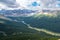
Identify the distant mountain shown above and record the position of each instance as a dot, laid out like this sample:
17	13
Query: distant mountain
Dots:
17	12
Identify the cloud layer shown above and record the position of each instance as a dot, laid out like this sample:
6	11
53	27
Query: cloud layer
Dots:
9	3
28	4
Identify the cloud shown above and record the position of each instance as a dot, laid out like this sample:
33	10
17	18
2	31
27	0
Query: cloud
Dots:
26	4
29	4
9	3
17	4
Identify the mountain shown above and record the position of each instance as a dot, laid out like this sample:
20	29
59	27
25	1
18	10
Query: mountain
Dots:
18	27
11	29
10	26
16	12
46	21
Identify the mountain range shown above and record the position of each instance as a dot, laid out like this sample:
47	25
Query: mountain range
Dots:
50	22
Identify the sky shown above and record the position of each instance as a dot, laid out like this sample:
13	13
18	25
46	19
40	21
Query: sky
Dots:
28	4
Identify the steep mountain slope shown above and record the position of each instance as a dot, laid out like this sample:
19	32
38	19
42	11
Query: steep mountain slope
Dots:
10	27
15	28
50	22
18	30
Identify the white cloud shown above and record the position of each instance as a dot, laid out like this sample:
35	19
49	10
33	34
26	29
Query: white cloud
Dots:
23	4
2	6
28	4
8	4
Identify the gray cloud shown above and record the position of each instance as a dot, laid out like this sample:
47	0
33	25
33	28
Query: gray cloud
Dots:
9	3
50	3
44	4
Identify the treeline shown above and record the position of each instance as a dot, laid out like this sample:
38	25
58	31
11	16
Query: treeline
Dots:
28	37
